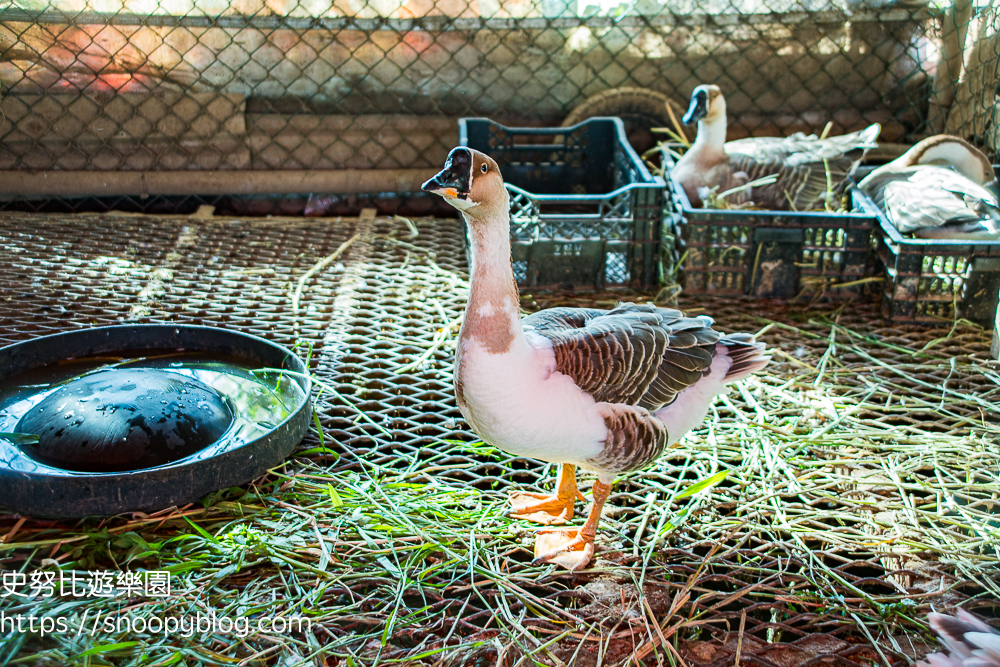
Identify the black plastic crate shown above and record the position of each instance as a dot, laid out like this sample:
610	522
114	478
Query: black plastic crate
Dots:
586	214
773	253
930	280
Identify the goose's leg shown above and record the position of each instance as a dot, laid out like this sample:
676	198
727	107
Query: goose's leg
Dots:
546	508
572	547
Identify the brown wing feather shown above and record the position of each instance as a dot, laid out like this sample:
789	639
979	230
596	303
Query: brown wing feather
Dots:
801	184
635	439
802	164
633	355
969	642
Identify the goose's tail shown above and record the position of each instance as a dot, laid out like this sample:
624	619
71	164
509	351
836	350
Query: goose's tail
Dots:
969	642
856	144
747	355
867	136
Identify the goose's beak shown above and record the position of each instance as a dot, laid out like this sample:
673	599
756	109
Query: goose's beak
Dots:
698	108
454	181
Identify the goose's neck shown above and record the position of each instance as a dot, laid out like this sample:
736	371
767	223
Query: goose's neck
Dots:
711	134
492	316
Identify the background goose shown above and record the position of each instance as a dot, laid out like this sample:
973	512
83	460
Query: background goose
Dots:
968	641
799	162
940	188
603	390
949	151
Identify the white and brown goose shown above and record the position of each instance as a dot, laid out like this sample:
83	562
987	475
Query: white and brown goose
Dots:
806	168
604	390
968	642
939	189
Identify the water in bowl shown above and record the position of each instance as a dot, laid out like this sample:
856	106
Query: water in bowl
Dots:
137	410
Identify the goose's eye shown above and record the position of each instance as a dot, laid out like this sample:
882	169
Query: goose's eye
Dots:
485	168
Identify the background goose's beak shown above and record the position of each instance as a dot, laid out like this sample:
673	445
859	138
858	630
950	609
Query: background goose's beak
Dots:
455	179
698	108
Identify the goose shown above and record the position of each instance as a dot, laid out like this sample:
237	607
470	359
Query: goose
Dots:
938	189
603	390
948	150
969	642
800	163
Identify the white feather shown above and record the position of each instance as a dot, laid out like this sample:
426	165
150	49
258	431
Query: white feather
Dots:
518	402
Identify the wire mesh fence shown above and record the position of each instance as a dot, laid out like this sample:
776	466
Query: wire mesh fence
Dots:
304	84
861	488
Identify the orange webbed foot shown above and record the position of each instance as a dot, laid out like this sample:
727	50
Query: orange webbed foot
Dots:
540	507
572	548
548	509
567	547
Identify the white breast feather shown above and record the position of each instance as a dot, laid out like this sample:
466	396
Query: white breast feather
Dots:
518	402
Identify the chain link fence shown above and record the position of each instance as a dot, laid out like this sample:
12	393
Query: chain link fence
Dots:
153	85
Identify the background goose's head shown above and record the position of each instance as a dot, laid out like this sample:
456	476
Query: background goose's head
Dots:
707	103
948	150
471	182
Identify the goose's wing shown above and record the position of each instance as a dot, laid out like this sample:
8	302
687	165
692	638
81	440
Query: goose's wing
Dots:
806	166
634	354
800	147
934	201
764	149
799	184
969	642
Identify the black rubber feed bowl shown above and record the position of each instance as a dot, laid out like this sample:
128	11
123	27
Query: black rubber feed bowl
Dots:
32	486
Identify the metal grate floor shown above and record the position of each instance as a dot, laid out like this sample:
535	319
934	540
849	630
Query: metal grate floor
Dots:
377	323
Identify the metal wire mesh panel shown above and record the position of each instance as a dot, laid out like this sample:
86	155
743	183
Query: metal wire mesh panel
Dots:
281	84
860	490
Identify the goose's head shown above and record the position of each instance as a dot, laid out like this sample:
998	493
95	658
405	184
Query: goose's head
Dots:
471	182
952	151
707	103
